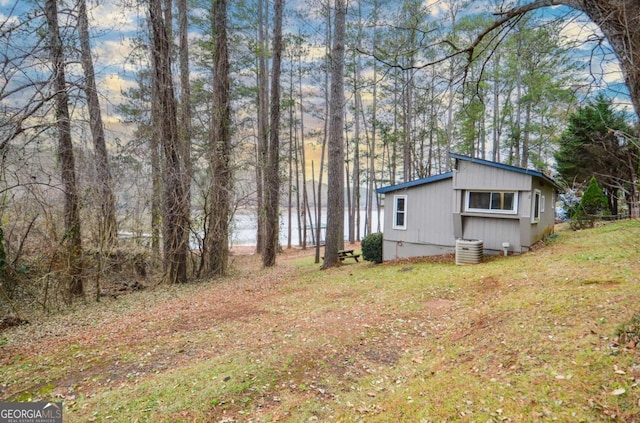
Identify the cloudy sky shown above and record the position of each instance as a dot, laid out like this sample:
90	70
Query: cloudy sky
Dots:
115	23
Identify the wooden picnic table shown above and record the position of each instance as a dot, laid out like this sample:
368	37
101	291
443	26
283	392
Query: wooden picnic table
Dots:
345	254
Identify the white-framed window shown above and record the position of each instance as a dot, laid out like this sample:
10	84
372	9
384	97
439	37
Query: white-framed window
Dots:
400	212
505	202
537	206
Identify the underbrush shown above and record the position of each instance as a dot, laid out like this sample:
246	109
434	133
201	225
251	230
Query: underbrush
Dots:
38	284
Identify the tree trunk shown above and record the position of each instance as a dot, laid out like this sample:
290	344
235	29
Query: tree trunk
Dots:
408	118
356	163
524	158
299	208
325	132
371	141
185	110
291	162
392	154
316	237
108	229
354	216
495	155
354	230
72	237
517	132
372	154
453	14
156	180
175	210
350	209
303	165
272	186
220	144
335	180
263	127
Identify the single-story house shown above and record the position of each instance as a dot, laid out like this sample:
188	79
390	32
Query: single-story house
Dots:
477	200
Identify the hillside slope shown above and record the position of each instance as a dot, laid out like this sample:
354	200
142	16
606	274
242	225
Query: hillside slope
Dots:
519	338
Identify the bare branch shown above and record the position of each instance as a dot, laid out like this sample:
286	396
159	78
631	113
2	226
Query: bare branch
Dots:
505	19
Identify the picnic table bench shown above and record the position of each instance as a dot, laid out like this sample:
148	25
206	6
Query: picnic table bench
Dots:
345	254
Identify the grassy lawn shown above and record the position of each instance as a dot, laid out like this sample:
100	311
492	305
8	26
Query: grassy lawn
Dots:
519	338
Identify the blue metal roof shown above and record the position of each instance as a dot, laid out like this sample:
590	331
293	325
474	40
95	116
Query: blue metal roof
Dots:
415	183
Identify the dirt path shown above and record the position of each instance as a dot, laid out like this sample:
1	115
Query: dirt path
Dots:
103	347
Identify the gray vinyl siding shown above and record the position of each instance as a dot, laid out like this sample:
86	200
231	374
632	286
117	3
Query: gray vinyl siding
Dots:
473	176
493	232
392	250
429	222
545	226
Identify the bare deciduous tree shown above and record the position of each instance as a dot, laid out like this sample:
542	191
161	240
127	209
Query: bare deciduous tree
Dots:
185	97
72	236
108	230
175	211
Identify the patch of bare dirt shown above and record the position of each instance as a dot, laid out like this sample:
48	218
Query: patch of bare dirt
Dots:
440	259
487	285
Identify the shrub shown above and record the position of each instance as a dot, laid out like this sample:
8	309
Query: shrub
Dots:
593	201
593	205
372	247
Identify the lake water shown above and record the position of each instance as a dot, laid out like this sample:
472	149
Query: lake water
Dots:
245	226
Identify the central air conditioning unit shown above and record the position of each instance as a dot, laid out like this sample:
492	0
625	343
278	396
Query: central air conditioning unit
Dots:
468	251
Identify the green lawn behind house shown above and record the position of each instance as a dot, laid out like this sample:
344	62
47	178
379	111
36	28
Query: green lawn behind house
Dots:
518	338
